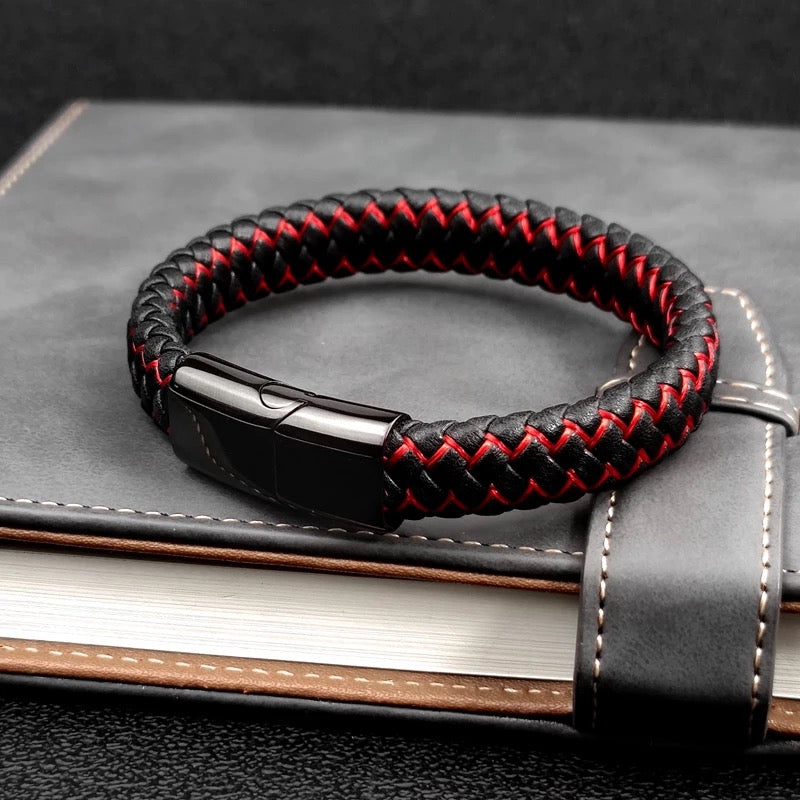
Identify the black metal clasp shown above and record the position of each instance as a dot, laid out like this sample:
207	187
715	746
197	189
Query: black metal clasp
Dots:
311	452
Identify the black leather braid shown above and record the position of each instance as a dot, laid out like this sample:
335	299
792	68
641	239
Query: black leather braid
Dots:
487	464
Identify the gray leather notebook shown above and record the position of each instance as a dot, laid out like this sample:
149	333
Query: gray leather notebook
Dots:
123	566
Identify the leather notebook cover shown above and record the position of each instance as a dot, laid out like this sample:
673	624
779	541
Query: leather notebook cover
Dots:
108	189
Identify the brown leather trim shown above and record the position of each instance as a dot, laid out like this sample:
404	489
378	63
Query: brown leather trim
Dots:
471	693
348	684
272	559
784	716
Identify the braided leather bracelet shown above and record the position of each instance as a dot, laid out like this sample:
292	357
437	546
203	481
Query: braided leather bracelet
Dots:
375	467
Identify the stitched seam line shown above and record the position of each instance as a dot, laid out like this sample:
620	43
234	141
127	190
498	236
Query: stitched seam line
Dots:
763	598
601	592
766	515
291	526
601	611
758	330
280	673
769	360
41	145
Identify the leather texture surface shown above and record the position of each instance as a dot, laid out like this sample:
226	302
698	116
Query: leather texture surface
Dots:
125	182
678	627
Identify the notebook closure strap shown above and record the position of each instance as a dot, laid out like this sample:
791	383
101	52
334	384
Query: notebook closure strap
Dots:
681	585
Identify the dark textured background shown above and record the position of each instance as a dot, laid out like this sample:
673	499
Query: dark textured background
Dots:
712	59
89	752
690	60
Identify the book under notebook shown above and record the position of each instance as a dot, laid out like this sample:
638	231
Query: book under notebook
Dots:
299	616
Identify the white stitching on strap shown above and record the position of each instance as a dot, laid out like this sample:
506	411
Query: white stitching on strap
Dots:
766	518
755	325
766	514
601	605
